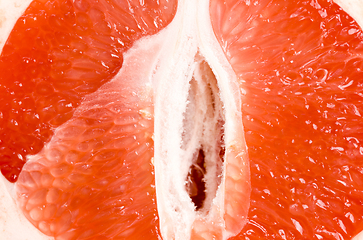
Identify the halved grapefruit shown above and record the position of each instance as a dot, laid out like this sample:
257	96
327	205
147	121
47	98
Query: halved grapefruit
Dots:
185	120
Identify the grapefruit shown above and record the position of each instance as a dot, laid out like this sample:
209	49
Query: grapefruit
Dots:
184	120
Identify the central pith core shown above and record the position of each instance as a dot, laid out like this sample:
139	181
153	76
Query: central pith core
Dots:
200	158
202	137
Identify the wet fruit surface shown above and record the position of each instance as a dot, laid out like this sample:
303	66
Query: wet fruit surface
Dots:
58	52
300	67
94	180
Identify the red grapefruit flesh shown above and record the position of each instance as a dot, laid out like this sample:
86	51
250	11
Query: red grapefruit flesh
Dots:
97	167
58	52
300	66
94	180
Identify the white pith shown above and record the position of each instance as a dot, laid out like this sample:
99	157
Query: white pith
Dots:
174	64
191	35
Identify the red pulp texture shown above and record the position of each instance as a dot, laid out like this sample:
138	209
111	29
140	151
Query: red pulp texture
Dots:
300	66
58	52
94	179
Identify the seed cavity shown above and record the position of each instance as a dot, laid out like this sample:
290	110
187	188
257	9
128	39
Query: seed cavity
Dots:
203	137
195	183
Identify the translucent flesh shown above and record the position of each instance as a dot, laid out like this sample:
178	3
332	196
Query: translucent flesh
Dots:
300	66
301	114
94	180
58	52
